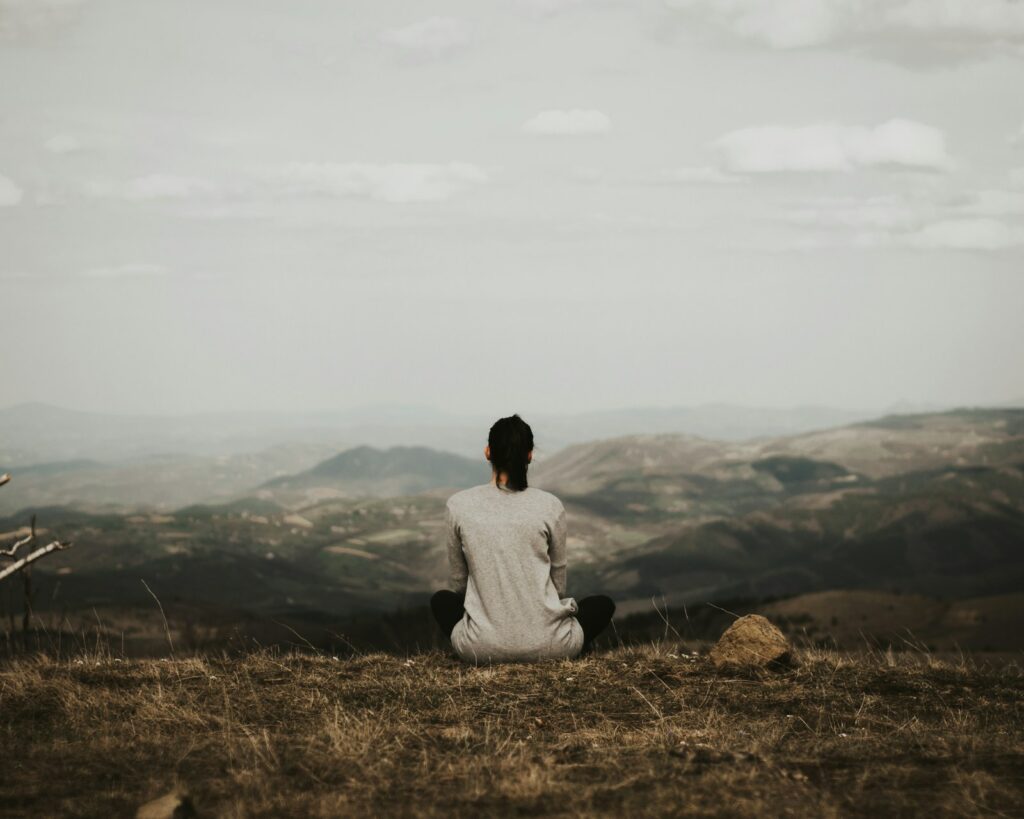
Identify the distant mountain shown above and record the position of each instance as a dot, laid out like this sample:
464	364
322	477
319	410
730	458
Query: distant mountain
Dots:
37	433
716	421
665	470
161	482
927	502
931	504
904	443
949	533
365	471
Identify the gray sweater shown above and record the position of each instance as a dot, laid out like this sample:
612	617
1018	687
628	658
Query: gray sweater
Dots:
506	550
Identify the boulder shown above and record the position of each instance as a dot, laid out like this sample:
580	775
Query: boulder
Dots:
751	641
174	805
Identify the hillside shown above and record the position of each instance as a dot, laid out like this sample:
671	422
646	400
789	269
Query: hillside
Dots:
641	731
672	473
365	471
155	482
929	503
921	505
33	433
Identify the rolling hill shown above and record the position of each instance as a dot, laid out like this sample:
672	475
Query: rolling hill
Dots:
155	481
931	505
365	471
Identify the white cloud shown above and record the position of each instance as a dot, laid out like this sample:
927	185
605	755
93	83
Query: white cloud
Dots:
992	203
551	7
830	146
10	194
888	213
786	24
396	182
124	270
574	122
984	220
701	175
434	36
1017	177
62	144
153	186
967	234
22	18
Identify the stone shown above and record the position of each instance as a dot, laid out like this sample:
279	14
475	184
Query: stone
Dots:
173	805
751	641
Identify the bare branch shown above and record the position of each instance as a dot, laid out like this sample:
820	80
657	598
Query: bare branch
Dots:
5	478
30	538
31	558
17	545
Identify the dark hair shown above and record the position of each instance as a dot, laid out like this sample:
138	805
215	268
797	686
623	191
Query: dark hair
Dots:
510	440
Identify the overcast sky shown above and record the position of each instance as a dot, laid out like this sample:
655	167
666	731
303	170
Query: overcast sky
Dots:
549	205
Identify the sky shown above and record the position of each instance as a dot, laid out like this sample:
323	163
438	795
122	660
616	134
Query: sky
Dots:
550	205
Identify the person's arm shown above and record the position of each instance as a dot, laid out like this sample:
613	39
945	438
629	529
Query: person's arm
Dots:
459	570
557	550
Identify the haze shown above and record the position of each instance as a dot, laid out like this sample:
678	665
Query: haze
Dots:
556	205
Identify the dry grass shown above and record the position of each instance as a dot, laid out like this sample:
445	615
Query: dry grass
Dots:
638	731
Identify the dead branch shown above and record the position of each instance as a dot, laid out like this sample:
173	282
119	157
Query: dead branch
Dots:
42	551
29	538
4	478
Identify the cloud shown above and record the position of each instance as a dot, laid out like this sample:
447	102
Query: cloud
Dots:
991	203
701	175
831	147
551	7
967	234
124	270
261	188
62	144
24	18
10	194
574	122
396	182
985	220
789	24
886	213
153	186
434	36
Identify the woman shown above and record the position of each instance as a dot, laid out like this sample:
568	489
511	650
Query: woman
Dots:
506	552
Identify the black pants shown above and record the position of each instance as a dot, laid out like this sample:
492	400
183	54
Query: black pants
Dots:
595	613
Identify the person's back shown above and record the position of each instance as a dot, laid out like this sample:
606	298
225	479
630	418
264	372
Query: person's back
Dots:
506	545
513	547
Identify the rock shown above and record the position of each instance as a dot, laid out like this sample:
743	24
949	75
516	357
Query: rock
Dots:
173	805
751	641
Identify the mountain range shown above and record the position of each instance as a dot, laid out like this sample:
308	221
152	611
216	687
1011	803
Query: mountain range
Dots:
930	504
35	433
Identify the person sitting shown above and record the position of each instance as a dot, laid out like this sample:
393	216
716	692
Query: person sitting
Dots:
506	545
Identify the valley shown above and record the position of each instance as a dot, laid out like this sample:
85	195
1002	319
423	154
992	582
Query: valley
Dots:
928	505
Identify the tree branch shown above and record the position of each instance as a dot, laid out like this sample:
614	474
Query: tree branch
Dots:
34	556
29	538
18	565
17	545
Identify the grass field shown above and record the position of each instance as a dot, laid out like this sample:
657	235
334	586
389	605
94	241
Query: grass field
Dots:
636	731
